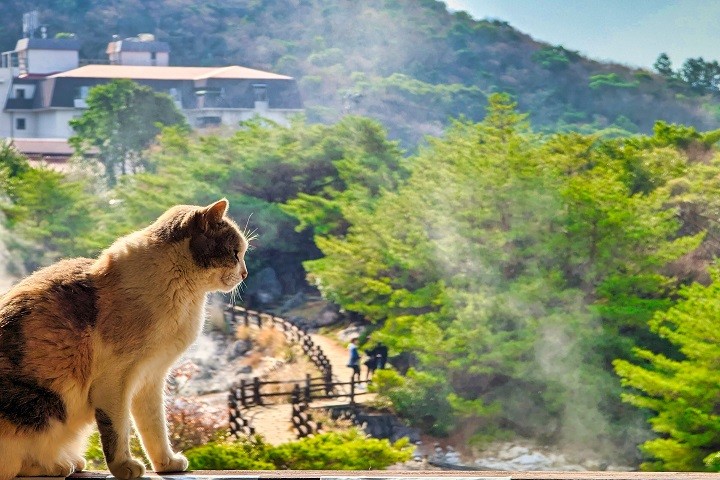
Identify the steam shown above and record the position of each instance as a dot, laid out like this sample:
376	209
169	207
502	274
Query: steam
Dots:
563	325
6	279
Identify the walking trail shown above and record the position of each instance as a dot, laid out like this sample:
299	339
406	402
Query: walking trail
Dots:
273	421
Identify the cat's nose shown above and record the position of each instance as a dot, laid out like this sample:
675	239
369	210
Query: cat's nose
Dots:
243	274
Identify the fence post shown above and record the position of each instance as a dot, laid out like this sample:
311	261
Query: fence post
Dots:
352	390
308	392
232	408
256	391
328	382
243	397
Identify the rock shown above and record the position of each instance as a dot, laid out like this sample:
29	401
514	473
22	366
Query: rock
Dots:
295	301
327	316
237	349
264	286
533	459
350	332
244	370
512	452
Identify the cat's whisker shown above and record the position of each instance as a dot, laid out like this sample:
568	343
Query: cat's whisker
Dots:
247	223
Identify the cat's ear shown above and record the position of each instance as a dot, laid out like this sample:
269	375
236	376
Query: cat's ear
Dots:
212	214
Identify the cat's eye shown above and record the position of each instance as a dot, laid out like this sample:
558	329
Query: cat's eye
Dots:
236	255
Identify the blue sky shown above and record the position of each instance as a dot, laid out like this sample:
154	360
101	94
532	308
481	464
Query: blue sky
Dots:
631	32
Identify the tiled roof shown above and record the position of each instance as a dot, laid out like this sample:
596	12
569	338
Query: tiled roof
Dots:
48	44
43	146
168	73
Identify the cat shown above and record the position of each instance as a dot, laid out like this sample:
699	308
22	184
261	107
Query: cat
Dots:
88	340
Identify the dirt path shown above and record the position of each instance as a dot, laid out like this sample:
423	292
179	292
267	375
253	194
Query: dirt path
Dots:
337	354
273	421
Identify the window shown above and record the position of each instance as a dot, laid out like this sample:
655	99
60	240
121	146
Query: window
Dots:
153	58
20	124
260	92
82	93
20	93
204	122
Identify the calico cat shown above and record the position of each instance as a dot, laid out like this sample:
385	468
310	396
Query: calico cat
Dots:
92	340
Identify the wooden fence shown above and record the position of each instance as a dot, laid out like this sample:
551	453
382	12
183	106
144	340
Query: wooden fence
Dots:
235	316
299	393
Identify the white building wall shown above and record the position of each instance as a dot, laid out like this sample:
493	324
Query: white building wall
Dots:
6	76
231	117
31	121
162	59
56	123
51	61
29	90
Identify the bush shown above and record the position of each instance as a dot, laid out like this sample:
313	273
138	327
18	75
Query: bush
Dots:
420	397
610	80
249	454
191	423
349	450
551	58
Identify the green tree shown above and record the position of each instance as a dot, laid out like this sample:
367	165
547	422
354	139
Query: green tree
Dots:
663	65
522	258
681	392
49	215
701	76
121	120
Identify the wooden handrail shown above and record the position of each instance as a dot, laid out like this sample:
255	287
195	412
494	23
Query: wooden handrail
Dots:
247	395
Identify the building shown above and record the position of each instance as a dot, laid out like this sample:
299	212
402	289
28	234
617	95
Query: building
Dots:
43	86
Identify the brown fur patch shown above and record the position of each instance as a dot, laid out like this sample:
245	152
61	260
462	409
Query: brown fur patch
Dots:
29	405
213	242
174	225
12	343
76	299
216	247
108	435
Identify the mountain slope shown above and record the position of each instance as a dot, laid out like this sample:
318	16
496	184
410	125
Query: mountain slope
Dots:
409	63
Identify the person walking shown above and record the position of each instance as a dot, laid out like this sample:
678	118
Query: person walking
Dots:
370	363
354	360
381	354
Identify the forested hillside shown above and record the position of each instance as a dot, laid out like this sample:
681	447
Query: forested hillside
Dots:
409	63
542	266
517	278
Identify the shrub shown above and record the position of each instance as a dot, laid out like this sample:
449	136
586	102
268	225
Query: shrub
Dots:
270	341
349	450
551	58
420	397
248	454
191	423
610	80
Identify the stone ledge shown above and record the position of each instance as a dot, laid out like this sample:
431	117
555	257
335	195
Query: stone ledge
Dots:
397	475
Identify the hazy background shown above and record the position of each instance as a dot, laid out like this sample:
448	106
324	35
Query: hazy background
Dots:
628	32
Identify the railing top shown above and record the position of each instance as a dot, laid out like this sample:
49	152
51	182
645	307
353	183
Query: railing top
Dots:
407	475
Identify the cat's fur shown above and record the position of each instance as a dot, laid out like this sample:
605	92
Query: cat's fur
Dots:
87	341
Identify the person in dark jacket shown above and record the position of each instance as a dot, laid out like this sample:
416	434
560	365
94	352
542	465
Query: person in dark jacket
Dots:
354	360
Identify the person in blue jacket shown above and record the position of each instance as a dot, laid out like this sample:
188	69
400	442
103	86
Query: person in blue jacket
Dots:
354	360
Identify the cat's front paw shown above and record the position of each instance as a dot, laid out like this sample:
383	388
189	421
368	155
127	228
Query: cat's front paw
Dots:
127	470
79	464
176	463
